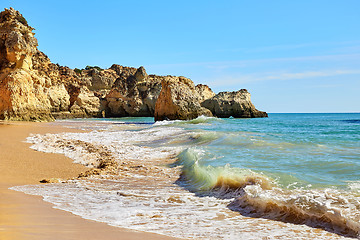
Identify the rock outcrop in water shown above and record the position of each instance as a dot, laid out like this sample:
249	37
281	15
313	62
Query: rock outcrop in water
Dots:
179	99
236	104
35	89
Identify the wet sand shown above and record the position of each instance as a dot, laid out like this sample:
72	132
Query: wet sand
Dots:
29	217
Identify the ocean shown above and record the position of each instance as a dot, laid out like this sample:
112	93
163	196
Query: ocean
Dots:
289	176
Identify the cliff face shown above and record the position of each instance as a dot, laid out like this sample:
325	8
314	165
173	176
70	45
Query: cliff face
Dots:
179	99
23	92
17	41
134	93
33	88
204	92
67	90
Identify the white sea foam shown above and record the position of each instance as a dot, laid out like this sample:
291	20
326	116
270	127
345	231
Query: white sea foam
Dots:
167	210
123	144
354	186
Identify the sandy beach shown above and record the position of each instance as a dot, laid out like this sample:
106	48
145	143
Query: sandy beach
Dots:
29	217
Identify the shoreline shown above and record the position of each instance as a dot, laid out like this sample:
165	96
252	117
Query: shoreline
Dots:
139	193
29	217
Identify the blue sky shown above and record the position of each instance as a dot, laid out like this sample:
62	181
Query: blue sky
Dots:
293	56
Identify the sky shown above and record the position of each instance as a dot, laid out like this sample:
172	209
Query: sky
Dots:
292	56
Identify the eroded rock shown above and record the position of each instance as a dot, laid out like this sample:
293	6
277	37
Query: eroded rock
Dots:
178	99
33	88
17	43
204	91
134	94
59	98
22	95
236	104
86	104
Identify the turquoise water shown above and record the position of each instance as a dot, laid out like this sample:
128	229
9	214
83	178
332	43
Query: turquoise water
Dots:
317	149
294	149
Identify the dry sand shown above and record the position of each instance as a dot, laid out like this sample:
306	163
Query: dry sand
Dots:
28	217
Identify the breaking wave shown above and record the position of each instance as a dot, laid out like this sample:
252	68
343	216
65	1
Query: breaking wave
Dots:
256	195
198	120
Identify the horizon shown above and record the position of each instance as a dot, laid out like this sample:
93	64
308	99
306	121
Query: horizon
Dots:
293	57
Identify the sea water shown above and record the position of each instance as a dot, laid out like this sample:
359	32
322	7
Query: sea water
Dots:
289	176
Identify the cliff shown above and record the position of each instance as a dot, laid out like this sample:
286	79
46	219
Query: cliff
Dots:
179	99
133	94
233	104
32	88
23	92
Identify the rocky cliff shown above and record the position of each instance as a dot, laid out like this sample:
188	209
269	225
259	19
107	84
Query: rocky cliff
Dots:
23	92
236	104
33	88
179	99
134	93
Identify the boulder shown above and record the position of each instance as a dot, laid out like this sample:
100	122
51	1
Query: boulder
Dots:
178	99
236	104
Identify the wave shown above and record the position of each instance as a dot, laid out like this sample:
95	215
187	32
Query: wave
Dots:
224	179
198	120
256	195
355	121
204	119
330	209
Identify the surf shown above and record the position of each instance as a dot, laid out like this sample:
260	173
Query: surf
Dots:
256	195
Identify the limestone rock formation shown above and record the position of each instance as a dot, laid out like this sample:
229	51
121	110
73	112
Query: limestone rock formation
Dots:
67	91
98	79
31	87
18	43
134	93
22	97
22	92
236	104
204	91
178	99
59	98
86	104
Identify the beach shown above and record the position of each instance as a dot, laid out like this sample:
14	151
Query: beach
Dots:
229	121
29	217
291	176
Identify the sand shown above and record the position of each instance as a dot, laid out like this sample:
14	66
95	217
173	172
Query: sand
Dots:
29	217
